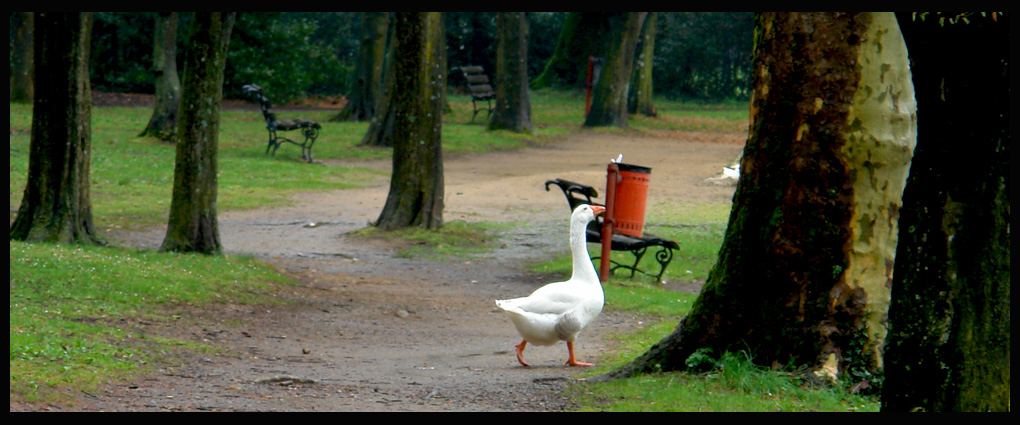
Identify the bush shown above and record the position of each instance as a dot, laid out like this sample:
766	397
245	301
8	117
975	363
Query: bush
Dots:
280	53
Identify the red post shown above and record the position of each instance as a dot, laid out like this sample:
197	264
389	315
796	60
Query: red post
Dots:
612	178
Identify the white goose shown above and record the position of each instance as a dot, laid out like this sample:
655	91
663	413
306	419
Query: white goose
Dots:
559	311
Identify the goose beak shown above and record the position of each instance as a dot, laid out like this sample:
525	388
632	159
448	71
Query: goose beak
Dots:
597	209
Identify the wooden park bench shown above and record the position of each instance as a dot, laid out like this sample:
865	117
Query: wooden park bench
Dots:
478	85
578	194
309	129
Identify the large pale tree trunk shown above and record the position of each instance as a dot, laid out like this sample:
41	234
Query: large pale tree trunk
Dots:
163	123
513	97
367	91
609	98
419	78
803	275
193	224
57	206
639	98
949	321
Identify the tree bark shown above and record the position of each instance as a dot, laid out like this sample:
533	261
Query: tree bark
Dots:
419	70
21	57
163	123
513	97
639	98
380	127
57	206
193	225
949	321
370	70
802	276
583	35
609	98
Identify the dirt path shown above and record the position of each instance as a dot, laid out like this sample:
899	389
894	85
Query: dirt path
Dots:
369	331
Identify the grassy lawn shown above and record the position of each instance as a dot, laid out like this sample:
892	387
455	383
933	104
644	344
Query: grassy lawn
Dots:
66	301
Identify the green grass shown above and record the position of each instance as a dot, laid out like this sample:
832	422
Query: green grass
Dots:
456	240
132	177
69	307
733	385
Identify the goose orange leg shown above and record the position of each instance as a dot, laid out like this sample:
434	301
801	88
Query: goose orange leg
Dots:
572	361
520	352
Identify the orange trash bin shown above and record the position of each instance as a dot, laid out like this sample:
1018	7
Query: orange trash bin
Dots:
631	196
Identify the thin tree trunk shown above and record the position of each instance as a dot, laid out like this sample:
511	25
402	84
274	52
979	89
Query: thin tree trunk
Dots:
513	97
419	69
163	123
21	58
802	276
380	128
609	98
639	99
368	84
57	205
193	225
949	321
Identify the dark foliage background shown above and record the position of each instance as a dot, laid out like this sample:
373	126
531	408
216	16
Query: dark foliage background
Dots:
699	56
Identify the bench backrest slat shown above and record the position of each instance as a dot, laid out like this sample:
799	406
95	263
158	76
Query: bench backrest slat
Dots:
477	81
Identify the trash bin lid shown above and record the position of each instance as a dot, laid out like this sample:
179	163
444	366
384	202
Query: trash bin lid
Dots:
634	168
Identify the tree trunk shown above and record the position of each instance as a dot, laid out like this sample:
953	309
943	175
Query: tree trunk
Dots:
949	321
21	57
609	98
802	276
57	206
513	97
380	128
639	99
419	70
193	226
163	123
369	72
583	35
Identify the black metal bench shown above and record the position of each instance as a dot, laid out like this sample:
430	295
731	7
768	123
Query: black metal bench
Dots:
478	85
578	194
309	129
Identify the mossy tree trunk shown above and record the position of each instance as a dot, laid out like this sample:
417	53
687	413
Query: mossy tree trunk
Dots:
582	36
803	274
163	123
609	97
193	223
639	98
23	25
57	205
419	78
949	320
513	97
369	72
380	127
